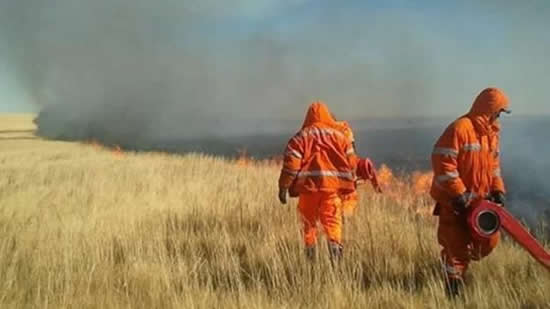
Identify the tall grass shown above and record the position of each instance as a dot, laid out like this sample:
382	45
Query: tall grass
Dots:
81	227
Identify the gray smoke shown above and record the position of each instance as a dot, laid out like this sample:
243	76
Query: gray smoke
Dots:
140	71
198	74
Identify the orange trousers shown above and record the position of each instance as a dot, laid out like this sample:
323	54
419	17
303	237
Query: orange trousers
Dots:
325	207
459	247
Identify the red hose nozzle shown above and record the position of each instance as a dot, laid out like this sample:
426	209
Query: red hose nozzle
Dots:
486	218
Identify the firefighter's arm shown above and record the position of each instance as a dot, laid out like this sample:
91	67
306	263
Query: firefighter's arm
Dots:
445	162
366	171
497	183
292	162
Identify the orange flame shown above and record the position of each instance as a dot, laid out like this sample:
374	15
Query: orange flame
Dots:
116	150
243	159
409	191
95	144
421	182
385	176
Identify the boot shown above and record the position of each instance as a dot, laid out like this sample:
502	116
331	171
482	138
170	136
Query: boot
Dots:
335	252
454	287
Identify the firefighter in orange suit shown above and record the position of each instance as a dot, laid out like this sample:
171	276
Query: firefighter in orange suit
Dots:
466	167
319	167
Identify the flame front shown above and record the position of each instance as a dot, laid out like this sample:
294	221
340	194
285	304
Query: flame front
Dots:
116	150
385	176
243	159
421	182
411	191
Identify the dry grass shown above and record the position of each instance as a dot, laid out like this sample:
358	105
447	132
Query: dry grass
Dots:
83	228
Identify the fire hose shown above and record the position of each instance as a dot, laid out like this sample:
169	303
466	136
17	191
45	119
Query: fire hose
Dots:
487	218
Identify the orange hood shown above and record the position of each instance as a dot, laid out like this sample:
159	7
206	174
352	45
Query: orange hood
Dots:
318	112
488	102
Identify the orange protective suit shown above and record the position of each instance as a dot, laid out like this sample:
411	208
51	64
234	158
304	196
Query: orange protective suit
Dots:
318	166
324	207
466	159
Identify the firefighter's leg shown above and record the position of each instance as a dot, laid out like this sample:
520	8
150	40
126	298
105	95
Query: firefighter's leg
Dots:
454	237
308	207
454	270
331	218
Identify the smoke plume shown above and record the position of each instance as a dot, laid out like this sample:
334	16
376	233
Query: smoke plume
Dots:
137	70
201	74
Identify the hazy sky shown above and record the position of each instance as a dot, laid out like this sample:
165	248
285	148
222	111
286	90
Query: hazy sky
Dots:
271	57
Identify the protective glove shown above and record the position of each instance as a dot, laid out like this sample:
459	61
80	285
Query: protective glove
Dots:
460	203
497	197
283	192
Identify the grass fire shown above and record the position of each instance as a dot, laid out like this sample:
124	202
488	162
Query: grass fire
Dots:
86	225
274	154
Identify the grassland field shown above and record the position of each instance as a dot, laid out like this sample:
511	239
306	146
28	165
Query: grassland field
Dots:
83	226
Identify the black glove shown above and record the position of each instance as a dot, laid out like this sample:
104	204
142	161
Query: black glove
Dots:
460	203
497	197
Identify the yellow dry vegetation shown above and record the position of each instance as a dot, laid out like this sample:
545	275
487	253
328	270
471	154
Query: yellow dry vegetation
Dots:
83	228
